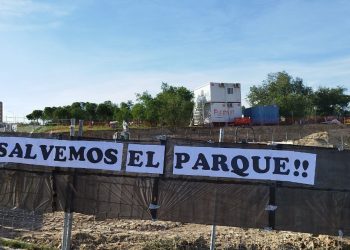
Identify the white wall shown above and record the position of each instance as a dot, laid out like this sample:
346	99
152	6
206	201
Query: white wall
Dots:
218	92
225	112
221	105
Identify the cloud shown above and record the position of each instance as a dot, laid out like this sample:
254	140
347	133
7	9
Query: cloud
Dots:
18	8
29	27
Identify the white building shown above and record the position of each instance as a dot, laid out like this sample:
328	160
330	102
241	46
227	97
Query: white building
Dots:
217	103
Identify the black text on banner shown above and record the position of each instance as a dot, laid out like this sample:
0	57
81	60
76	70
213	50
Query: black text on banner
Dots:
259	164
145	158
62	153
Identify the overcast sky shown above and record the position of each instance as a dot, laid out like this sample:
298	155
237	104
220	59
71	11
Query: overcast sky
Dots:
53	53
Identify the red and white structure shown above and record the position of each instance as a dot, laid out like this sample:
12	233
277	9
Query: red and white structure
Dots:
217	103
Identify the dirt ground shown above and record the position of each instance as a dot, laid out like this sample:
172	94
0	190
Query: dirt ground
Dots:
308	134
339	138
89	233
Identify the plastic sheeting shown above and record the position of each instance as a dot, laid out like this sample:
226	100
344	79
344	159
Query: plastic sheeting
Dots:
312	211
213	203
322	208
114	197
25	190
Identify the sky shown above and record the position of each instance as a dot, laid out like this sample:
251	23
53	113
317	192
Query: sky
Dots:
53	53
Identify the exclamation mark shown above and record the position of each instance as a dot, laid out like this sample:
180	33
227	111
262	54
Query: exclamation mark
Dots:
297	165
305	166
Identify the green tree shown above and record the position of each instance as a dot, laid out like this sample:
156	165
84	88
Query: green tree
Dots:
49	113
151	108
77	111
138	113
291	95
331	101
105	111
175	105
61	113
91	110
36	115
30	117
124	112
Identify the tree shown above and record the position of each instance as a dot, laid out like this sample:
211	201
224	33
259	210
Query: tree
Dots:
175	105
49	113
124	112
35	115
151	108
138	112
91	109
105	111
78	111
30	117
291	95
331	101
61	113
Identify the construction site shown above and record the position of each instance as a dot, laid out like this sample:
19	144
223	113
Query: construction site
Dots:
37	217
137	194
174	125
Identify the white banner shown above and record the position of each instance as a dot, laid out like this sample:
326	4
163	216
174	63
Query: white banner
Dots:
62	153
258	164
145	158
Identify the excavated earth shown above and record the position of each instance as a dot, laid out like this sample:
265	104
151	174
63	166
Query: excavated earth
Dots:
89	233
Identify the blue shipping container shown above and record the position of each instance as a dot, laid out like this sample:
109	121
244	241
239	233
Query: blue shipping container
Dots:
263	115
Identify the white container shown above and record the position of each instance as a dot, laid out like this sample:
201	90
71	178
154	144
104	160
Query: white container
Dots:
224	112
219	92
217	102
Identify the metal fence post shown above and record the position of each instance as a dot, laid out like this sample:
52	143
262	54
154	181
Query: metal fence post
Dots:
67	230
341	143
80	131
68	215
221	135
212	237
213	227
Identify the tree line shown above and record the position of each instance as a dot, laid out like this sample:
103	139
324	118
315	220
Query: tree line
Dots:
296	99
173	106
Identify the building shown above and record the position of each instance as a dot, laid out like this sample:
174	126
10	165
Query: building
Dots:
217	103
1	113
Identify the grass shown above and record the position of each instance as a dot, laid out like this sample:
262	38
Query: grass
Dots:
22	245
25	128
56	128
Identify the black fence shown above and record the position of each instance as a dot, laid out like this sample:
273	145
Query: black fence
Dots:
323	208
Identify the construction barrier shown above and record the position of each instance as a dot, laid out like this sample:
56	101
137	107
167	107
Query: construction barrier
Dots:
307	193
